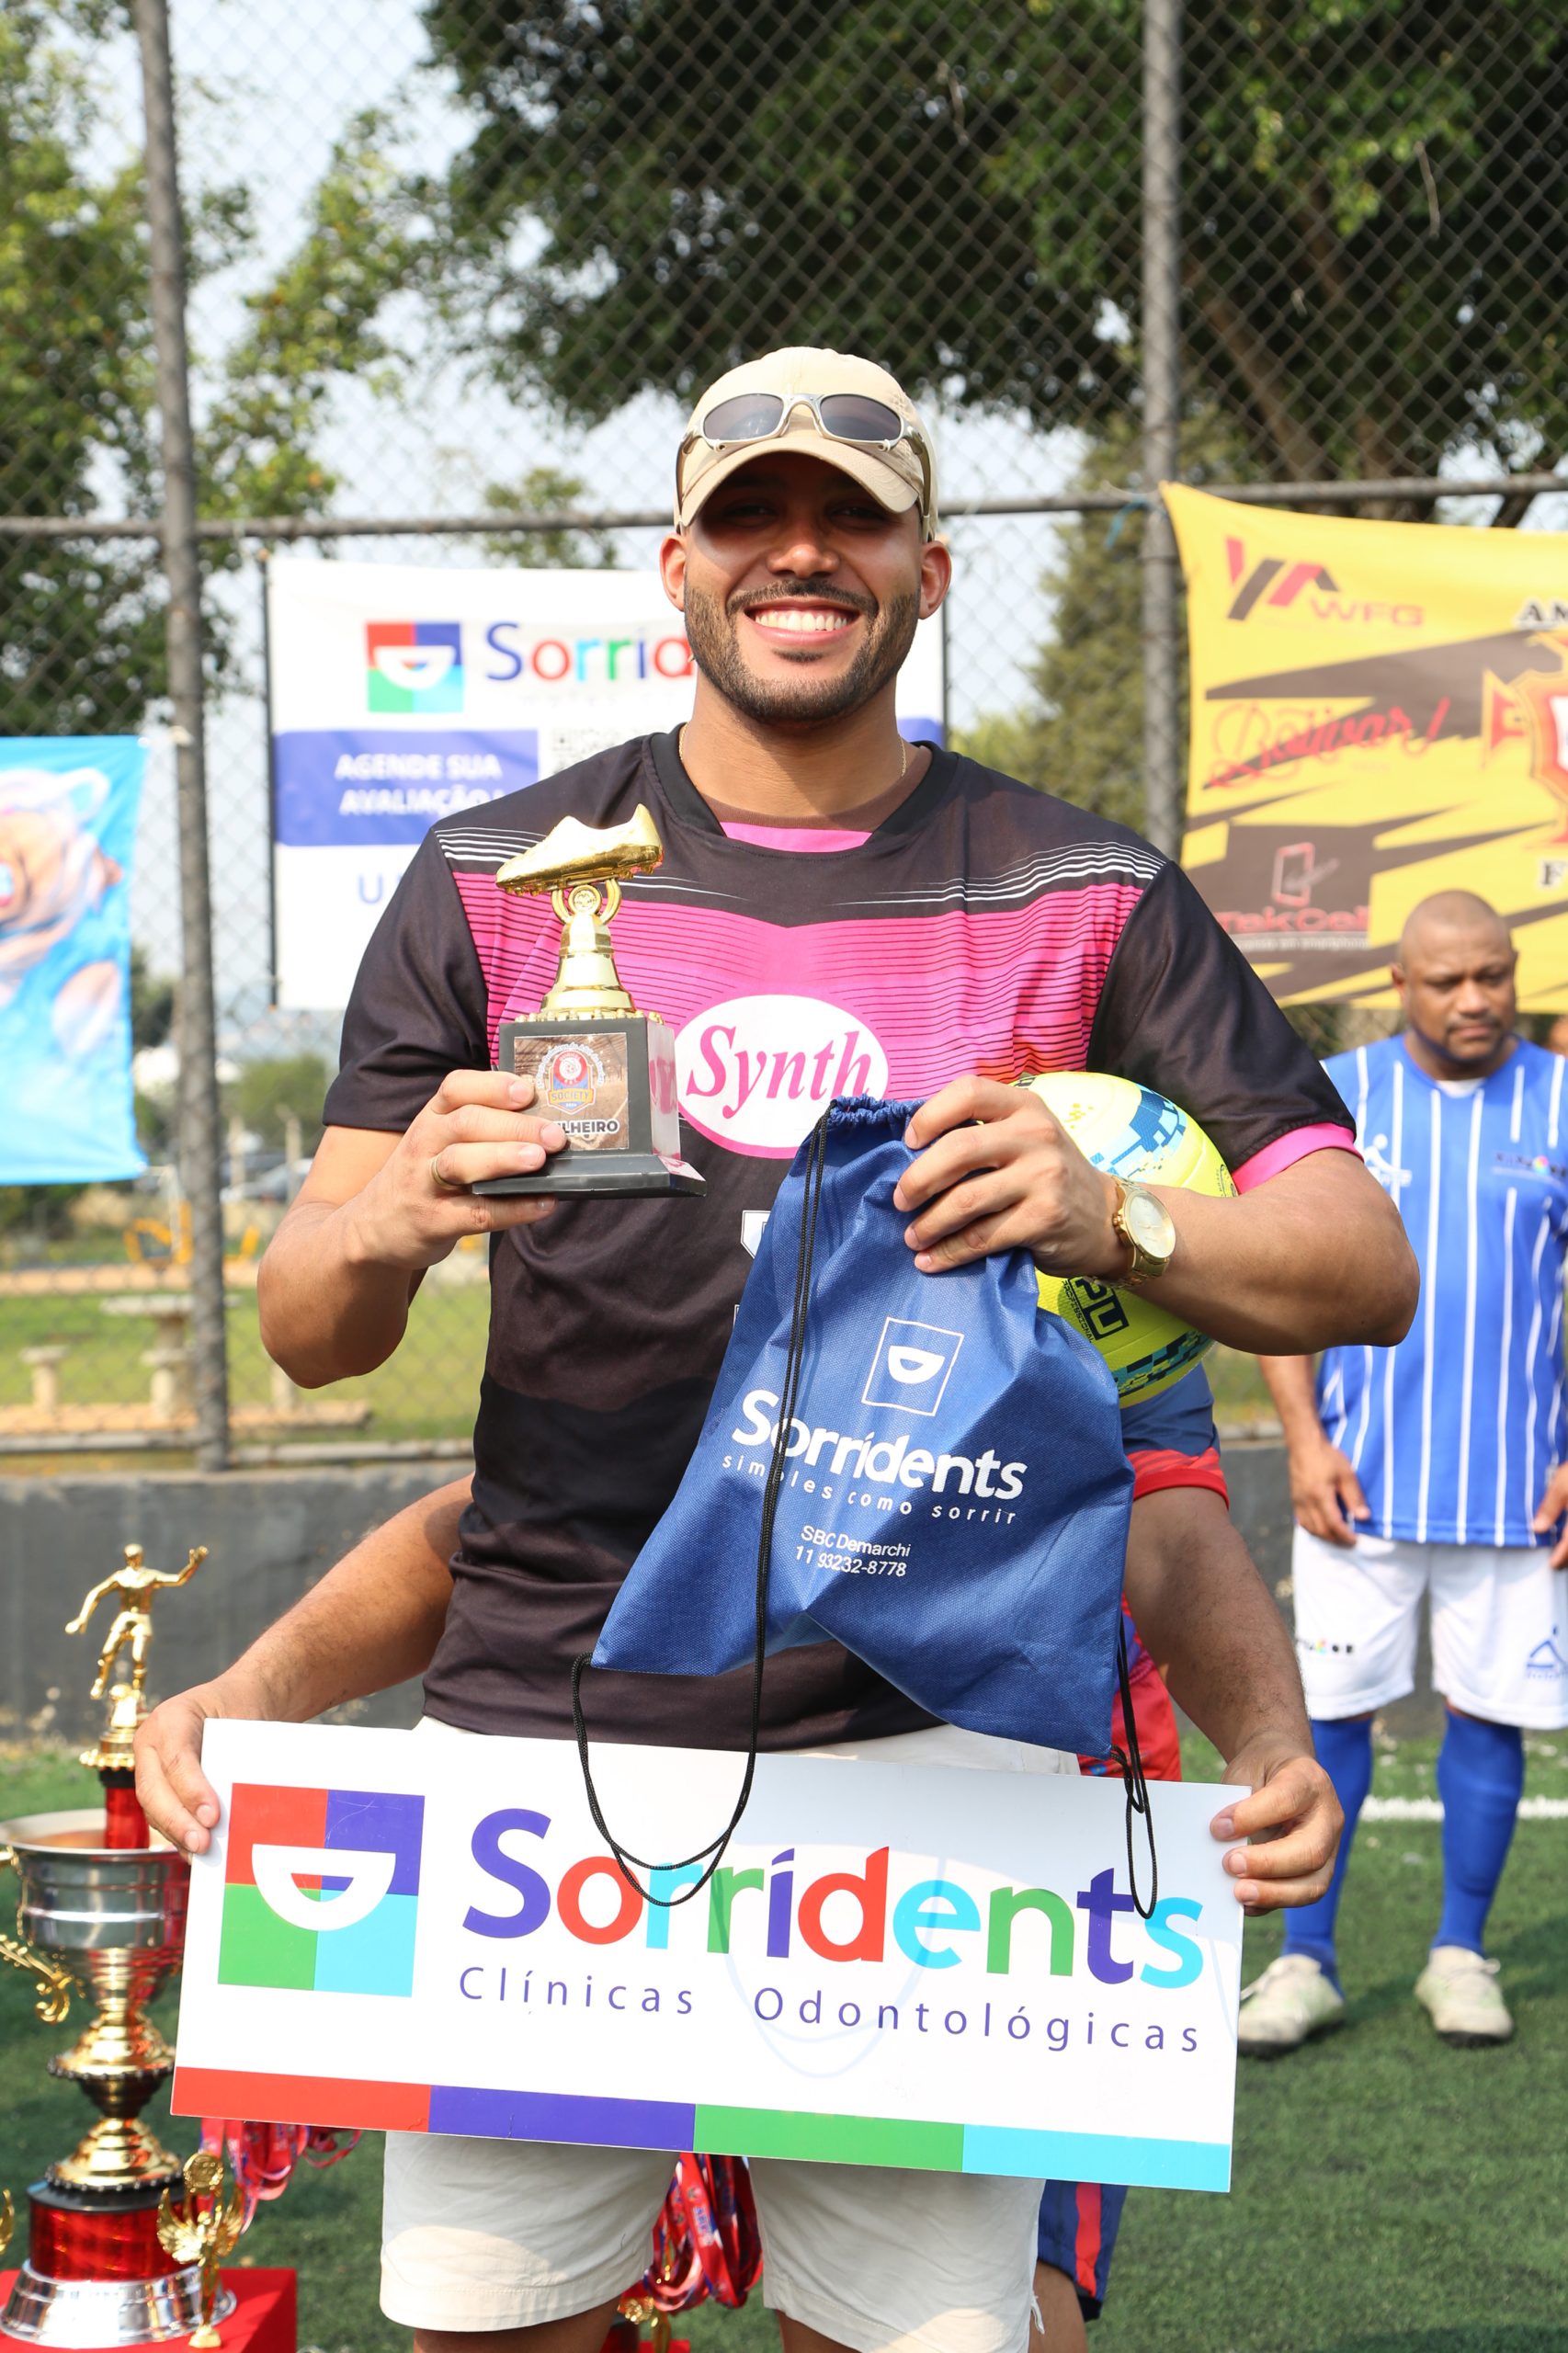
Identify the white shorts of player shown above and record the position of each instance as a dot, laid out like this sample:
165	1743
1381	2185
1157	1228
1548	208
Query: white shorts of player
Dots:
1499	1627
486	2234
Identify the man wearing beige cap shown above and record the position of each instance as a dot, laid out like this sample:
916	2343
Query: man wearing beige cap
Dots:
839	912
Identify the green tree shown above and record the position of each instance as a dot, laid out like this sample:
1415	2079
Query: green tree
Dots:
269	1092
82	644
1080	734
1375	269
316	323
546	490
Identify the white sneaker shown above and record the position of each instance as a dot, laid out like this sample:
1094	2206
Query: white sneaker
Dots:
1460	1989
1291	2000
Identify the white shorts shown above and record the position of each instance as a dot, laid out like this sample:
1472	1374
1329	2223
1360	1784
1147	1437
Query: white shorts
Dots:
487	2235
1499	1627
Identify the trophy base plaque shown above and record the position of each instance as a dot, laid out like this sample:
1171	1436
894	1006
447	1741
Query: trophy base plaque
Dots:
611	1085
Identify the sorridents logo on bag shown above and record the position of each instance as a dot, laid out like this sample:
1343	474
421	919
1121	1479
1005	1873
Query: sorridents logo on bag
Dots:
912	1365
321	1890
756	1073
822	1457
413	666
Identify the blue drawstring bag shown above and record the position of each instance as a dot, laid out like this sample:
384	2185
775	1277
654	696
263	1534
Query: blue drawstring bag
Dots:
928	1470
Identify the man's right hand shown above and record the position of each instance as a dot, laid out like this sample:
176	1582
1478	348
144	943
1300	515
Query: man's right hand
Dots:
1326	1493
174	1793
417	1207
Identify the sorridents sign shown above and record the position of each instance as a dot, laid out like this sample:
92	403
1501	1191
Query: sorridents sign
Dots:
899	1964
401	694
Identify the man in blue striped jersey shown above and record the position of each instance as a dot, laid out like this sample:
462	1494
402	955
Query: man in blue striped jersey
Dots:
1436	1466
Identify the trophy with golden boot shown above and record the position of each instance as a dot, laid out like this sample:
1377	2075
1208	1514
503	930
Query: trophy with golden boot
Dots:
101	1919
603	1070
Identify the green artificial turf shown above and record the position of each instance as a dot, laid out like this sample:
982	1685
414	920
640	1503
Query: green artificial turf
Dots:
1391	2194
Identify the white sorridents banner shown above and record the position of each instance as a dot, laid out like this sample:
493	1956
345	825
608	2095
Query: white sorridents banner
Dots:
398	693
897	1964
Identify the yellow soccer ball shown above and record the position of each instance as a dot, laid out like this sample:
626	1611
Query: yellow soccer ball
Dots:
1133	1133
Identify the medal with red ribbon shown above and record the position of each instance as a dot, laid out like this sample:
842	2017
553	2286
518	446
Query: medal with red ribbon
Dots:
706	2244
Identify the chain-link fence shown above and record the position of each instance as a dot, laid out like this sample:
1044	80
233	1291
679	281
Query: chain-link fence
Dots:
471	260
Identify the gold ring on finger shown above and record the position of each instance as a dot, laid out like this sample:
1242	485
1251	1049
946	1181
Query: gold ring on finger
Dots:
442	1183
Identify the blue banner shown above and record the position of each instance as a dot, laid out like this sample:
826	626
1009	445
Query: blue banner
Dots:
388	784
67	827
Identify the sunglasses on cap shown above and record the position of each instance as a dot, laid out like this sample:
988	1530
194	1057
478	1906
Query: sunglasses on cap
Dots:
857	417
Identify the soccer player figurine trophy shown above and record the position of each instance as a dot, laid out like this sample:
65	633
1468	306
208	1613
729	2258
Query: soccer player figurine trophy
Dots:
603	1072
102	1915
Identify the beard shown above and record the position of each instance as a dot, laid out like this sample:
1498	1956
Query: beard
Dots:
803	701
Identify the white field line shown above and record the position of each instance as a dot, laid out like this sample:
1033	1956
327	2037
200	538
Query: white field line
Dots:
1430	1810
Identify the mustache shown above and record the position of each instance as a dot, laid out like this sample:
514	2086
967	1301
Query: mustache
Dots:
805	592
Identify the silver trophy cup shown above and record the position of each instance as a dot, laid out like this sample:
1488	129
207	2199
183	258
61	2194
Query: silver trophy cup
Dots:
106	1924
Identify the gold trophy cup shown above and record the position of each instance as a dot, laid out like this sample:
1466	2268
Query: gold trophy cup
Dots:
102	1915
602	1070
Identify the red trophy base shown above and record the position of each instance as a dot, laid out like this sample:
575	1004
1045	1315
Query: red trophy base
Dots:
262	2319
87	2234
96	2274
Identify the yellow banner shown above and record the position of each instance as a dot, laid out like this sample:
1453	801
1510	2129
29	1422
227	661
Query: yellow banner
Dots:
1379	710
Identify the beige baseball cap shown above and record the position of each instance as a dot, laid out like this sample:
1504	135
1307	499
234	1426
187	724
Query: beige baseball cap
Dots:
826	405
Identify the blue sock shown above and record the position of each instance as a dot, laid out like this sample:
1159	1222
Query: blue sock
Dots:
1344	1748
1480	1773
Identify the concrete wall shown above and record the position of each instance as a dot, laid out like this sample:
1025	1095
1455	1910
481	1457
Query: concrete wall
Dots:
270	1535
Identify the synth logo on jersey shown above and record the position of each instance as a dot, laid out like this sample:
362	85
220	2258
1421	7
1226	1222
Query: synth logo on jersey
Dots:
321	1890
756	1073
413	666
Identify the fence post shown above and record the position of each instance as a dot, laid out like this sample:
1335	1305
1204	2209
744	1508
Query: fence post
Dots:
199	1148
1163	751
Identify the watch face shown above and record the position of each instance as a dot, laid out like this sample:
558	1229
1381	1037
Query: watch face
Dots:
1149	1223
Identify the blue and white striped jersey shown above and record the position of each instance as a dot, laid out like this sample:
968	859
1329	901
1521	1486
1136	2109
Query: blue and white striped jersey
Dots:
1453	1432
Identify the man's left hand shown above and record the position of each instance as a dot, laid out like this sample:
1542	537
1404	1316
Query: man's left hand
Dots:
1553	1504
1291	1822
1013	1181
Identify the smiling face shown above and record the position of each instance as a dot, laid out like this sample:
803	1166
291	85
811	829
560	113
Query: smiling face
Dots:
800	591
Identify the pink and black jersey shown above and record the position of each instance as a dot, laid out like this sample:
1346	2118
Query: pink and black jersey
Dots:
983	926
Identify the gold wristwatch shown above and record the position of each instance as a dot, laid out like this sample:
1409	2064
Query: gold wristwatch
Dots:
1142	1221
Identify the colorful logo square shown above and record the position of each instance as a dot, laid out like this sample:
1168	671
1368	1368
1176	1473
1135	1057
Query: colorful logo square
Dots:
413	666
321	1890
